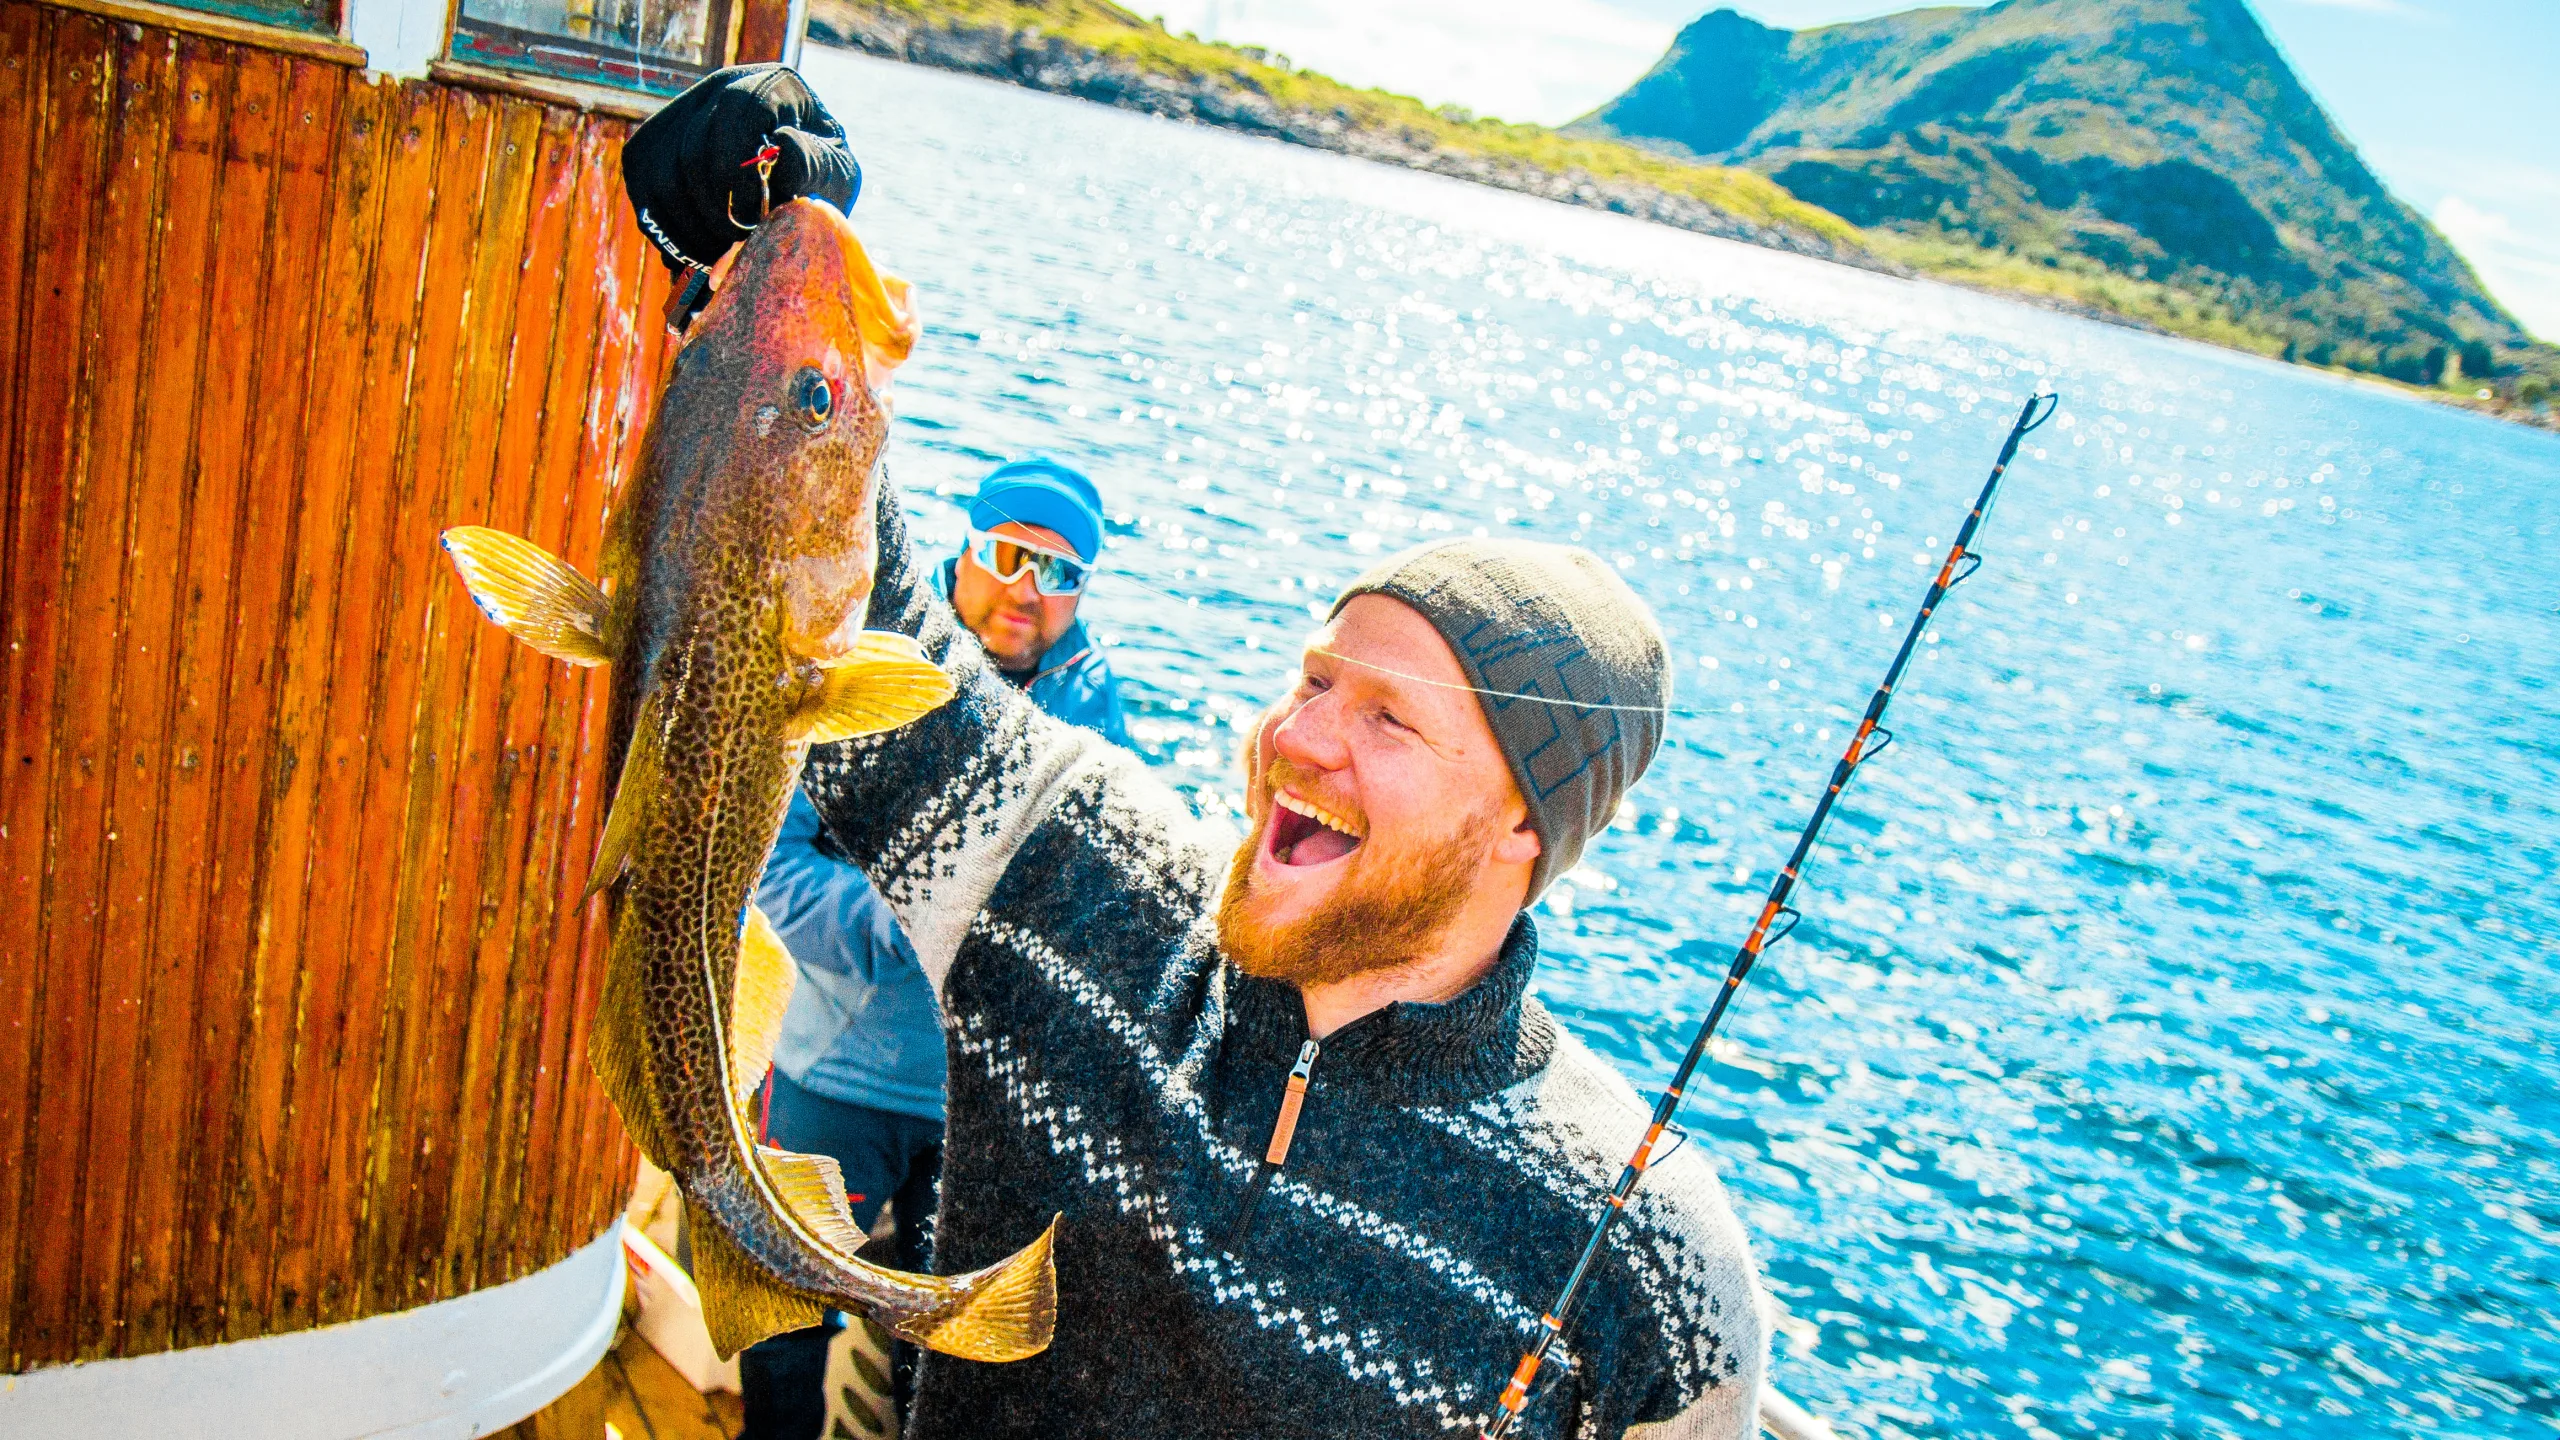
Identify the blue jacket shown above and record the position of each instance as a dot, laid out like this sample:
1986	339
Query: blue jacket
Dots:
862	1026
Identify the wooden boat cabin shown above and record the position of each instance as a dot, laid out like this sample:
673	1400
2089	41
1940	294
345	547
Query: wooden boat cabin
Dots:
300	1136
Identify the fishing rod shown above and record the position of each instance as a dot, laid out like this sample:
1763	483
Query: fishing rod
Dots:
1767	930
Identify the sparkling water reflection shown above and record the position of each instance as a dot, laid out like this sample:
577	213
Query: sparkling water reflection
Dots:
2163	1050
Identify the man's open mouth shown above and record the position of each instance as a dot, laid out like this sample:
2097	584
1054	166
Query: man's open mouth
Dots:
1305	833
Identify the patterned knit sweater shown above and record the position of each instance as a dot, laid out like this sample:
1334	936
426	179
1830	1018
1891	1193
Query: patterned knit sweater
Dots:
1108	1068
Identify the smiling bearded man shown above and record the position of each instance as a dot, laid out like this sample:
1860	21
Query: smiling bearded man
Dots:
1317	1153
1382	915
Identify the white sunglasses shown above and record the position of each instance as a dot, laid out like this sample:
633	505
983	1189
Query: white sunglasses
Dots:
1053	572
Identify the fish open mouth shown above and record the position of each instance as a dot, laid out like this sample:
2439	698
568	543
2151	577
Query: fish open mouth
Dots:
1305	833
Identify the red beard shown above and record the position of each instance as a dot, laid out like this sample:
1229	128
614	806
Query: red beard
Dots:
1386	914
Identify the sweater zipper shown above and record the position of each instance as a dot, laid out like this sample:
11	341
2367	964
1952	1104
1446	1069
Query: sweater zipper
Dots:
1283	1130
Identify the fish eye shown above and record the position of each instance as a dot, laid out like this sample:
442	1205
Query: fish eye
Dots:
814	398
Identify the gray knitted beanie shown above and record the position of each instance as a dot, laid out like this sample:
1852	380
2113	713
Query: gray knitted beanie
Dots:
1535	624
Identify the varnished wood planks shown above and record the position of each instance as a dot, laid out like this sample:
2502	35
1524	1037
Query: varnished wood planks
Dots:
151	948
290	1006
268	540
27	582
346	829
483	912
76	538
293	983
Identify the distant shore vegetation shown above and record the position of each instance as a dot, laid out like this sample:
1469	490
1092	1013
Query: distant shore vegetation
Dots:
1099	51
944	31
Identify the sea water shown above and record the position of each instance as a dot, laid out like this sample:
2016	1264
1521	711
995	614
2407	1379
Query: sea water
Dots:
2165	1046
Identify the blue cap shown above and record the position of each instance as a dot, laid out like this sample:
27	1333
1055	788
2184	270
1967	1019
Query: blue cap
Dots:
1040	491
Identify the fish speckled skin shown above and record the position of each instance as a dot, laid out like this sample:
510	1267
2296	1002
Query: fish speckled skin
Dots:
736	571
741	488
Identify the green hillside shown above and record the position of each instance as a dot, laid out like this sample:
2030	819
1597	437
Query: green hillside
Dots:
1096	50
2154	158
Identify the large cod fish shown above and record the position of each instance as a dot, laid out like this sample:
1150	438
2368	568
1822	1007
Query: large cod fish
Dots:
737	570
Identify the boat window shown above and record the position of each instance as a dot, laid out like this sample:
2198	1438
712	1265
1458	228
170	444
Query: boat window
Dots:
656	45
319	15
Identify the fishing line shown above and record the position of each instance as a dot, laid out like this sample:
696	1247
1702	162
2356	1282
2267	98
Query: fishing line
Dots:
1680	712
1492	694
1443	684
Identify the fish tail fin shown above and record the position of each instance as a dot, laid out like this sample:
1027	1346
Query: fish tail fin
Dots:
741	1301
532	594
618	1048
1005	1312
1008	1311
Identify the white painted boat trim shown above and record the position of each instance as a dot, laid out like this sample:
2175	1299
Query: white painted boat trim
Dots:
451	1370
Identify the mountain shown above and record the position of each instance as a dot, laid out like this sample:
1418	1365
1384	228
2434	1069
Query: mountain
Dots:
1096	50
2157	158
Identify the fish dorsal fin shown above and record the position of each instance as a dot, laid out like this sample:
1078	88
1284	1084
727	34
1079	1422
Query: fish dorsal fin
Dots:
533	595
741	1301
618	1042
765	978
813	1187
631	796
882	685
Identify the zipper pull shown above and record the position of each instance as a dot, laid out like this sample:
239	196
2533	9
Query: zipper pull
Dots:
1283	1130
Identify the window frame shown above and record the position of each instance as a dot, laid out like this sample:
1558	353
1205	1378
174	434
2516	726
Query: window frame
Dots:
539	55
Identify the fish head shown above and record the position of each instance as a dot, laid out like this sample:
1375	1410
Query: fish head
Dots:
780	397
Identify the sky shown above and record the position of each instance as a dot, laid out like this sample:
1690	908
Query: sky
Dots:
2454	103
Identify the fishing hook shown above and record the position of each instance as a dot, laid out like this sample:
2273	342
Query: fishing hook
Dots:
763	160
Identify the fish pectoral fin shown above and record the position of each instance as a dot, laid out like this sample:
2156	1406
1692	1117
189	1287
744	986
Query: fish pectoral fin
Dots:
1008	1311
618	1045
882	685
813	1187
631	795
532	594
765	978
741	1301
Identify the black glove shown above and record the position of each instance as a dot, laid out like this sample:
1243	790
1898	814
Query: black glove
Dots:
691	170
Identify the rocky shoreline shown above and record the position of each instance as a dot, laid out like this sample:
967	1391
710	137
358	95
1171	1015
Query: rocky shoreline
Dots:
1041	61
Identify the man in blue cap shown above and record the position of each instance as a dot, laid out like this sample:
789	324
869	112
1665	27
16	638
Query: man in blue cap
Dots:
1035	530
858	1072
